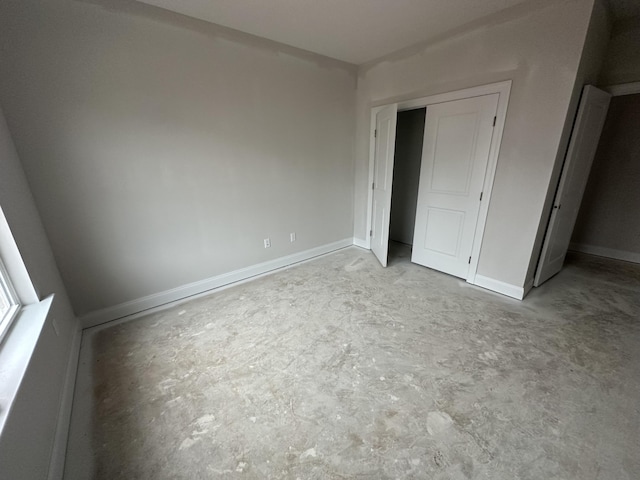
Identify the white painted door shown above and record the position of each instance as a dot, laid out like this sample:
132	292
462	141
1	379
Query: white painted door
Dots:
573	180
457	142
385	143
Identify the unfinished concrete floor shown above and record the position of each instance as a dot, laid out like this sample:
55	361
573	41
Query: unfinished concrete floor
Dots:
338	368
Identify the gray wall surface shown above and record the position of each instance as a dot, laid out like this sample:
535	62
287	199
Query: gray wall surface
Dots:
162	150
539	48
406	174
622	64
608	215
28	436
591	60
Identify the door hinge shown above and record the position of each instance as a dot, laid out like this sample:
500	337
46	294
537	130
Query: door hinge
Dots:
375	133
371	233
481	195
373	186
494	121
469	260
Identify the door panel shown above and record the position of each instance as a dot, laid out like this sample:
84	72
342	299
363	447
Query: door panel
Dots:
383	180
457	141
444	229
590	119
453	160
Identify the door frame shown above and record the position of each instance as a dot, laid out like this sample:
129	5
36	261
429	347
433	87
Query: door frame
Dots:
504	89
621	89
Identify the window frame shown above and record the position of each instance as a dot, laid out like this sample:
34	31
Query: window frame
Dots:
7	292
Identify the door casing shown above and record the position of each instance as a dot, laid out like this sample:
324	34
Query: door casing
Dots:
503	89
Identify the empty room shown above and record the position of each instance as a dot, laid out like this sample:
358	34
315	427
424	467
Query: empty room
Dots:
319	239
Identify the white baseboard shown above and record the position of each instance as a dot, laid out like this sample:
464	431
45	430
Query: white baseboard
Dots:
155	300
605	252
499	287
358	242
59	450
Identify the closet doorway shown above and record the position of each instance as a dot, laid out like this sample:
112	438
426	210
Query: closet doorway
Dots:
594	210
406	174
432	166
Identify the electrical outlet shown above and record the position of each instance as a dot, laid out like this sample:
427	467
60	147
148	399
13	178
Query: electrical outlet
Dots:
267	242
292	237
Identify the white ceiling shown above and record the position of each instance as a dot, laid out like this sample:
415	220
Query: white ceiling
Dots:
355	31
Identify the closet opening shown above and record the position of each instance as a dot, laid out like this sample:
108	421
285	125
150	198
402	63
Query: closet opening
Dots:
406	176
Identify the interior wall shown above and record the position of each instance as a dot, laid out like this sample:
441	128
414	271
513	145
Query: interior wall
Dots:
608	223
622	64
406	174
539	50
591	62
28	436
162	150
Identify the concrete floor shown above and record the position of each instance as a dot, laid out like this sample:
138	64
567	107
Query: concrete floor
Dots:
338	368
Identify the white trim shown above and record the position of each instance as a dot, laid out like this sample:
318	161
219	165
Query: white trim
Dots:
7	319
16	269
59	450
606	252
504	90
501	88
358	242
500	287
205	286
372	160
623	89
16	352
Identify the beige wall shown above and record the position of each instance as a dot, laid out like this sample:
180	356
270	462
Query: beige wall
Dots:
28	436
539	48
608	221
161	150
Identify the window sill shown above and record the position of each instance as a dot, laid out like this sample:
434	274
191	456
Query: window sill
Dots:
16	350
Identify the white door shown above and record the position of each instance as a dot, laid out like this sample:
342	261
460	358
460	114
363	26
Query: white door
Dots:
573	180
385	133
457	141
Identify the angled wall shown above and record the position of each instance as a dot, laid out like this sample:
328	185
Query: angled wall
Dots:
539	48
36	420
592	58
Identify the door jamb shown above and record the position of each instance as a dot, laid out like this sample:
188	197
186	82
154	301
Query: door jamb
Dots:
503	89
622	89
